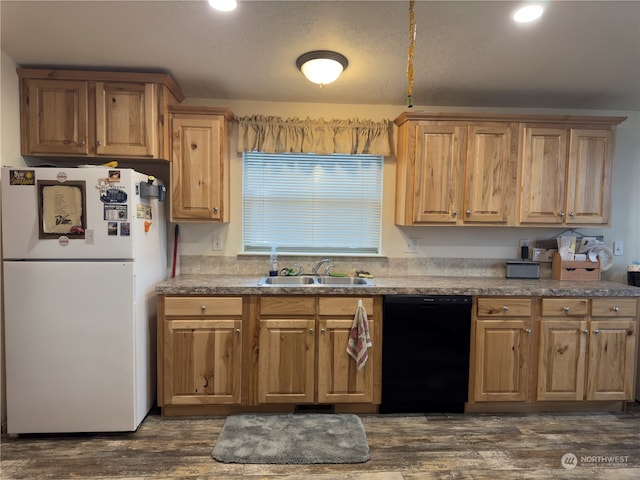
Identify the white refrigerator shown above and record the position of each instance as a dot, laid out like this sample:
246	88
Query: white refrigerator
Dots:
83	249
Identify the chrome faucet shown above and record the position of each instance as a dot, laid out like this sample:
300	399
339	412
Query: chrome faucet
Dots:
316	267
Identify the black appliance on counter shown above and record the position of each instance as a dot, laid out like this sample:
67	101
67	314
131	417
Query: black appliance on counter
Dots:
425	353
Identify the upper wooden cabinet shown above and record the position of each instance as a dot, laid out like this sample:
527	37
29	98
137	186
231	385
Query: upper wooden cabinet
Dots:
503	170
455	172
200	163
95	114
566	175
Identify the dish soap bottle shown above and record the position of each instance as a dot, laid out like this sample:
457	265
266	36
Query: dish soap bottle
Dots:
273	262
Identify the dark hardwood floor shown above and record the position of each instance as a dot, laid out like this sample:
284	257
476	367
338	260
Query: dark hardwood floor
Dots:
403	447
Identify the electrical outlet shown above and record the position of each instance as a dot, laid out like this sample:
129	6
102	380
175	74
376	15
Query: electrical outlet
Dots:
217	243
411	245
618	248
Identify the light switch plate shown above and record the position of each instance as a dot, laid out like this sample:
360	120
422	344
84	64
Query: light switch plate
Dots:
411	245
618	248
217	243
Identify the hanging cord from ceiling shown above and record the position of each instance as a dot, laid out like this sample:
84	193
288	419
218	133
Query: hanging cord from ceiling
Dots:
412	46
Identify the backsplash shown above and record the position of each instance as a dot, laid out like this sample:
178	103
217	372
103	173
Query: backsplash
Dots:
381	267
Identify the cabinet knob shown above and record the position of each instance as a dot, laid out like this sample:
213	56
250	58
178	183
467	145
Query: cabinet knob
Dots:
566	309
562	214
468	212
98	143
323	331
616	309
237	331
527	331
215	209
203	308
585	331
83	142
311	331
454	213
596	331
505	309
572	214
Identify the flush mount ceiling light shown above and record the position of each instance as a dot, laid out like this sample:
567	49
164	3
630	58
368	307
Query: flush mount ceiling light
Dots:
223	5
528	13
322	66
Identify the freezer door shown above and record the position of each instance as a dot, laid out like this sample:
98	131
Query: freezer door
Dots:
73	213
71	347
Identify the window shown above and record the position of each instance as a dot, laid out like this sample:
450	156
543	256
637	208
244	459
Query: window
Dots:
312	204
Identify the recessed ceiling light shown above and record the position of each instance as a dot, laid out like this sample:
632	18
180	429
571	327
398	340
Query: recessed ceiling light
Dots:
528	13
223	5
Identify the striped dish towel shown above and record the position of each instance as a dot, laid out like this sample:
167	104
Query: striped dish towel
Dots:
359	338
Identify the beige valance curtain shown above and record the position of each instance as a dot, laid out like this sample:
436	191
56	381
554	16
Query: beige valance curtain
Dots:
276	135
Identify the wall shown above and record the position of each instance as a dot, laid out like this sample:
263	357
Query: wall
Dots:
466	250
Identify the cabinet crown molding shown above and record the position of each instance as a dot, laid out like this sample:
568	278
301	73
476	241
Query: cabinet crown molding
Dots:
104	76
501	117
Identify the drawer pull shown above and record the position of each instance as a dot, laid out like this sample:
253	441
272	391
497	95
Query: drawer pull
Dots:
596	331
566	310
615	309
505	309
203	308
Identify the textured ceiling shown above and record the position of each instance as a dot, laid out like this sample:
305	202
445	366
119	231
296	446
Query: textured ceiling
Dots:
579	55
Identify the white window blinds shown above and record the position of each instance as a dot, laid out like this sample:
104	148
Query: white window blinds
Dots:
312	204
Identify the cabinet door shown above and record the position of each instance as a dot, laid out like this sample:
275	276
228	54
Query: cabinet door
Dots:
57	118
543	179
126	119
610	369
286	361
196	168
501	360
589	180
339	380
562	359
486	177
438	172
202	362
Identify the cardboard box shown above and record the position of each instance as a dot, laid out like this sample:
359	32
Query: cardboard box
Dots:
574	269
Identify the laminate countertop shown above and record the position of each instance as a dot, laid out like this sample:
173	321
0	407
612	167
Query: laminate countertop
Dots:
409	285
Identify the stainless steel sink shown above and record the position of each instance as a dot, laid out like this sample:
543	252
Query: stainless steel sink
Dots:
282	281
343	281
318	281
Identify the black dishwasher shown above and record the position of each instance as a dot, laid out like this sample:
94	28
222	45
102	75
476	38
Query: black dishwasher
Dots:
425	353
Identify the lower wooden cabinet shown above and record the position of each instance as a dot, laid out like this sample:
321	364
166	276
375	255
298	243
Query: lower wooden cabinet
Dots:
202	346
302	355
286	350
574	349
502	349
588	357
225	354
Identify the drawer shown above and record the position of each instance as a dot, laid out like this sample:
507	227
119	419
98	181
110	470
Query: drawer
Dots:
504	307
614	307
565	307
281	305
344	305
202	306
